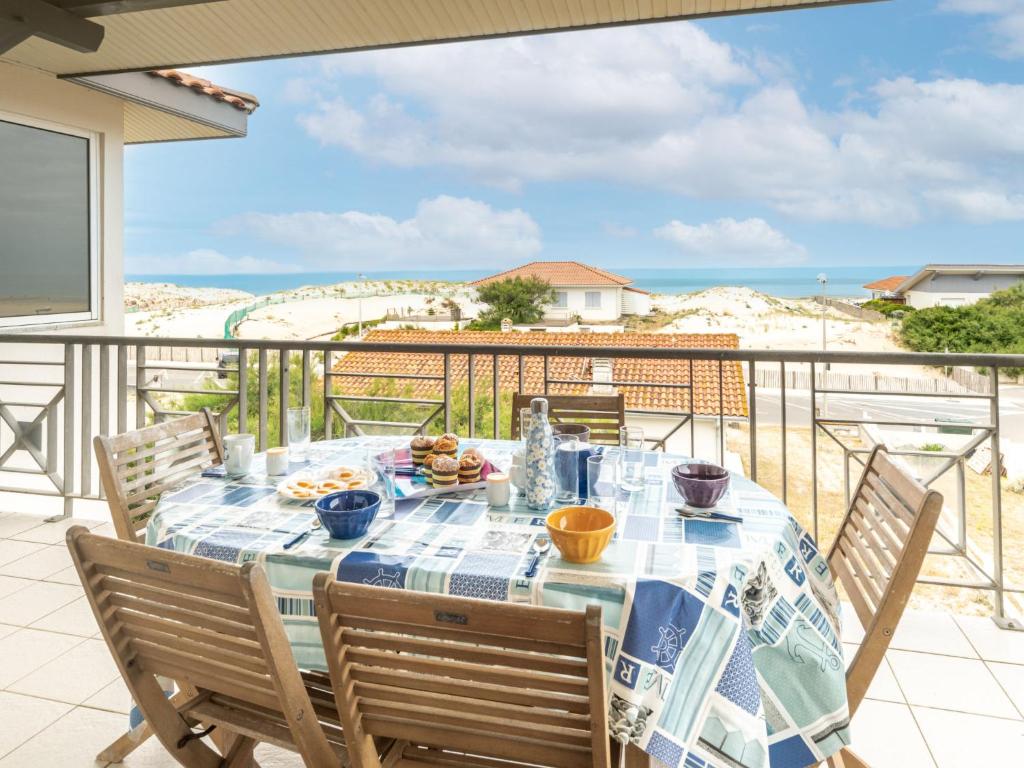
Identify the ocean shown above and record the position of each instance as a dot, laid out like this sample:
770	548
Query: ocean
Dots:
789	282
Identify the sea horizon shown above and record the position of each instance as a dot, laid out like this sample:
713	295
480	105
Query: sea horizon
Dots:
784	282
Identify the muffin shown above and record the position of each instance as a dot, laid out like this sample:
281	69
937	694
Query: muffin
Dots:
428	463
447	444
421	445
469	468
444	471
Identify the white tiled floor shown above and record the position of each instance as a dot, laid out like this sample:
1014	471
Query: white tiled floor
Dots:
950	694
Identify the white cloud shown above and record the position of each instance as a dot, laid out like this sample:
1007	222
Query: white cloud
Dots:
750	241
670	108
1006	27
445	232
205	261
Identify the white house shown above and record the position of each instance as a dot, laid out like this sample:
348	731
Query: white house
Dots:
953	285
581	291
61	184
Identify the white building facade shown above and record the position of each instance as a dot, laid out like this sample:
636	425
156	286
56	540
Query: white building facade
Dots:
957	285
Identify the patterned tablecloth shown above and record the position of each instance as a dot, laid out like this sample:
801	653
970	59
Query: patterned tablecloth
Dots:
722	644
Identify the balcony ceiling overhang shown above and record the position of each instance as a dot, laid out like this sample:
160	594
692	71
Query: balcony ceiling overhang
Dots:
89	37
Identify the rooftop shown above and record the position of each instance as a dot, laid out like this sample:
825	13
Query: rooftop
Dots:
560	273
639	398
886	283
237	99
959	269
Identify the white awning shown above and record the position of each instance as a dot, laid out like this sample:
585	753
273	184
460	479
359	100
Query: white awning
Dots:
135	35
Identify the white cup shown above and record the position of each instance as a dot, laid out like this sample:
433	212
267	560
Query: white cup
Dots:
238	453
497	489
277	461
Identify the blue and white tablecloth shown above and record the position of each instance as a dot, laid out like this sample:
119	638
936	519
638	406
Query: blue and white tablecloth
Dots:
722	644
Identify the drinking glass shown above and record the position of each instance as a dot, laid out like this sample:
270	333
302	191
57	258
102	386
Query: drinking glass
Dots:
298	433
631	458
382	458
567	469
524	423
601	480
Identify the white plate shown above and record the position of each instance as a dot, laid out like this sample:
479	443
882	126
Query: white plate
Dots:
324	481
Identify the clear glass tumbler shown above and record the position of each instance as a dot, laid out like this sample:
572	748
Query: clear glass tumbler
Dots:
298	433
601	480
382	458
524	423
631	458
567	469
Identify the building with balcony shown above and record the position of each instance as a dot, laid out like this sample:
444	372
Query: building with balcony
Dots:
947	285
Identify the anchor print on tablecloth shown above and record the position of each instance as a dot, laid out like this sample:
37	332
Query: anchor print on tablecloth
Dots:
804	645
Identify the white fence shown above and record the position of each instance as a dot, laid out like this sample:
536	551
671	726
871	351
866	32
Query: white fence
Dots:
964	381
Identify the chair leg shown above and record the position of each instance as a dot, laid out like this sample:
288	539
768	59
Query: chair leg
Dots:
240	753
128	742
846	758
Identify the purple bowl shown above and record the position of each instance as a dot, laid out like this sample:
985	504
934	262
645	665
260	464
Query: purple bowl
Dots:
701	485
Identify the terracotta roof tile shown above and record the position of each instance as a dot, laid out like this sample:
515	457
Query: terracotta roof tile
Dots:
237	99
886	284
645	397
560	273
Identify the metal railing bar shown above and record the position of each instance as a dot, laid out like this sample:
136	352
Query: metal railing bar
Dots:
471	390
934	359
171	391
68	474
814	452
355	375
892	423
662	385
889	393
721	415
693	410
261	388
30	383
328	389
782	421
56	363
305	377
40	492
24	471
243	390
963	583
86	433
122	388
996	468
496	396
660	442
374	423
522	375
547	375
283	395
447	393
375	399
210	368
752	405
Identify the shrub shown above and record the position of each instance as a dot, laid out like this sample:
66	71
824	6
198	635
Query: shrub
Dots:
522	301
887	308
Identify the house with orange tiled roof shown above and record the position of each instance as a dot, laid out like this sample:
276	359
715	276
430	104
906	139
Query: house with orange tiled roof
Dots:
659	395
886	288
582	292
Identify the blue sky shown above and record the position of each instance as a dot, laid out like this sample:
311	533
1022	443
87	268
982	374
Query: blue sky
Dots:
874	134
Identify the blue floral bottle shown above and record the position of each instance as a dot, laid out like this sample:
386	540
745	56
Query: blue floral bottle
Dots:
540	457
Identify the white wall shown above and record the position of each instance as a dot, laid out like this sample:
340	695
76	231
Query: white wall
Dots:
577	304
953	290
634	303
705	435
31	94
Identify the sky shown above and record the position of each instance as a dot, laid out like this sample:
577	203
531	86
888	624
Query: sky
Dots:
861	135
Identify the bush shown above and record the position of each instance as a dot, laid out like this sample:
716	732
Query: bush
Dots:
522	301
887	307
993	325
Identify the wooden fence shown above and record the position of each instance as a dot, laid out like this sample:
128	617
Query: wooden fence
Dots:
870	382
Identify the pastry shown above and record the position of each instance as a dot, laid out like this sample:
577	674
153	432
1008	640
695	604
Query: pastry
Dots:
448	444
428	463
421	445
444	471
469	468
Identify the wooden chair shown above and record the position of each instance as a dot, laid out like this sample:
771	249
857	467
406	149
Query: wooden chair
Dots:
877	556
136	467
604	414
463	683
216	628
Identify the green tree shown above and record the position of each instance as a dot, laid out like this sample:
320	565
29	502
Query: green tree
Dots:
520	300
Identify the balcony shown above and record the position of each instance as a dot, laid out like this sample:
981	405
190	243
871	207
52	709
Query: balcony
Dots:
798	423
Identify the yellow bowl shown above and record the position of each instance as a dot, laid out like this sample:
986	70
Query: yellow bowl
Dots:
581	533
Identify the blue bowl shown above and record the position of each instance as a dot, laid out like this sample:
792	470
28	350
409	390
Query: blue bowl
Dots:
347	514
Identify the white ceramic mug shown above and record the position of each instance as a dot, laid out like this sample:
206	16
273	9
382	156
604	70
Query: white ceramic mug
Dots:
238	453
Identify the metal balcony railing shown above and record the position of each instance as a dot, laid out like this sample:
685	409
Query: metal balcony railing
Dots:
58	392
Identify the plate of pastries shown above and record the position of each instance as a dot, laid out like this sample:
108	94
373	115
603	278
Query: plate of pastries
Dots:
441	464
306	485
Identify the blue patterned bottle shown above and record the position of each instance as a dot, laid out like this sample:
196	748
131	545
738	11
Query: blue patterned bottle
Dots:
540	457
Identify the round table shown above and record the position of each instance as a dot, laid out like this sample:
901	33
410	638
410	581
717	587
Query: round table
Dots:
722	639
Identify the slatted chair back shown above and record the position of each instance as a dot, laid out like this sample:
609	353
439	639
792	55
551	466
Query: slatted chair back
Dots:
877	556
211	626
497	680
136	467
604	414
